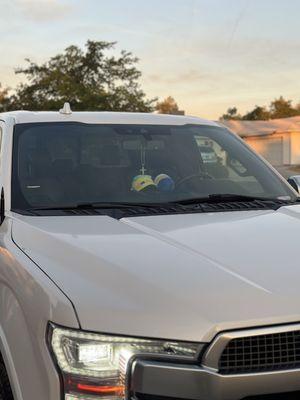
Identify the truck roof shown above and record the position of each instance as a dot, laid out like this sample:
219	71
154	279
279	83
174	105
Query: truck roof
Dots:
21	117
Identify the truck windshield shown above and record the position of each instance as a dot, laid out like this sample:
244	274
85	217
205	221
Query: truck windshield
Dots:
57	164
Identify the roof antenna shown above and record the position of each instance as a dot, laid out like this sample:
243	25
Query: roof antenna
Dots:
66	109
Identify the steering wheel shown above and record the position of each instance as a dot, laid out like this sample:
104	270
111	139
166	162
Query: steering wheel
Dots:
202	175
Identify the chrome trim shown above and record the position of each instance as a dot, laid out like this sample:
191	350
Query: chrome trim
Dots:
213	353
203	382
197	383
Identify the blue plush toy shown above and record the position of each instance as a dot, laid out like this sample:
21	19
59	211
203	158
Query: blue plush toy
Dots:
164	183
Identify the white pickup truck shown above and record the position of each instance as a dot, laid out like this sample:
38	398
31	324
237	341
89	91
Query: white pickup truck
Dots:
132	269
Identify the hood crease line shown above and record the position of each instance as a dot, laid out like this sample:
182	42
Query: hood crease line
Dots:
154	233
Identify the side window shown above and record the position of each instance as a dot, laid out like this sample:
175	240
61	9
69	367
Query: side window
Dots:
220	165
214	157
211	152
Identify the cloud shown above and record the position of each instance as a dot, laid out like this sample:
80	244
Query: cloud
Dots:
191	75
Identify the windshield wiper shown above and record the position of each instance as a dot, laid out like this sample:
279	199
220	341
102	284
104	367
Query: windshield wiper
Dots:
225	197
95	205
212	198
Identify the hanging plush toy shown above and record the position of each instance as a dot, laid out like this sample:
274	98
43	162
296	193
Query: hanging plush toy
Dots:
164	183
143	182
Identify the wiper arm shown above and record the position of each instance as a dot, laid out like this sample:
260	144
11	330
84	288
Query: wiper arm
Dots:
223	197
99	205
121	205
212	198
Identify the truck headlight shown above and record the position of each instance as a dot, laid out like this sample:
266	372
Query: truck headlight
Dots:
95	366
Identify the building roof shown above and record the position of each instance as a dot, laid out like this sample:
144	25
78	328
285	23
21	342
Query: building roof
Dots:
262	128
104	117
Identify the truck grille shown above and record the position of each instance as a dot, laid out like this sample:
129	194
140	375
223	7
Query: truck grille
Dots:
261	353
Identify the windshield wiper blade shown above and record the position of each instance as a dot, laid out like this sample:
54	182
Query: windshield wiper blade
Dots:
223	197
212	198
123	205
95	205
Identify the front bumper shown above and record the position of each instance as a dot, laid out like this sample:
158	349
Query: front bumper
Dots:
204	382
201	383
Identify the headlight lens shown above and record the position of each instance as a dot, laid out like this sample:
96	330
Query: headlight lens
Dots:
95	366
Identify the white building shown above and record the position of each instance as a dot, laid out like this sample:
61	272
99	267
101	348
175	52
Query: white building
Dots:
278	141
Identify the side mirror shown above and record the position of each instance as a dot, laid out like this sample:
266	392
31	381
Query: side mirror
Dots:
2	207
294	181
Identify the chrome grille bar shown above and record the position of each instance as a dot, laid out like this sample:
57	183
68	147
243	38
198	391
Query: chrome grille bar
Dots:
262	353
255	350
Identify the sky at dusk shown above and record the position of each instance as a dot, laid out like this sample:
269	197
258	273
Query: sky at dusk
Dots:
207	54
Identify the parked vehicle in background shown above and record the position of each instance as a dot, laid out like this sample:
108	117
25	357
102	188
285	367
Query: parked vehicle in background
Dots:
130	269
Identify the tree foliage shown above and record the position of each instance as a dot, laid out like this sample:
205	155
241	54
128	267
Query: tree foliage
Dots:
257	114
278	108
281	108
91	79
4	99
232	113
167	106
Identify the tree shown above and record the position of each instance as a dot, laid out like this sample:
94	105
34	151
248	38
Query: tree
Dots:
281	108
232	113
90	79
4	99
278	108
168	106
257	114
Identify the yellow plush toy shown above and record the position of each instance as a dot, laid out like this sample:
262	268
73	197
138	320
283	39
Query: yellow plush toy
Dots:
142	182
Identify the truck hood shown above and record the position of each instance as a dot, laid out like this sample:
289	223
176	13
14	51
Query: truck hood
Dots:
181	277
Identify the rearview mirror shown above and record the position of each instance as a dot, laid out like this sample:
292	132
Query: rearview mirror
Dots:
294	181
